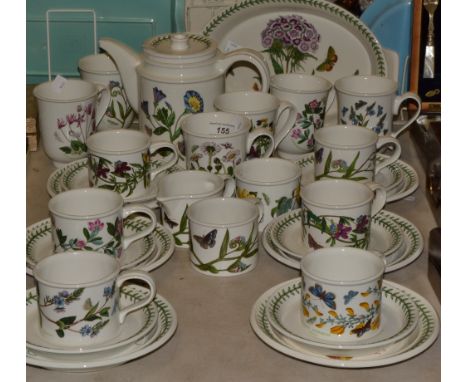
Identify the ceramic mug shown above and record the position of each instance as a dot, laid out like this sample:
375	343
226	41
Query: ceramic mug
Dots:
349	152
217	141
342	293
224	236
274	181
92	219
68	113
338	212
100	69
179	190
78	297
263	110
309	94
124	161
371	101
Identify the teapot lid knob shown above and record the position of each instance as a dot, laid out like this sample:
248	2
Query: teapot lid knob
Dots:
179	42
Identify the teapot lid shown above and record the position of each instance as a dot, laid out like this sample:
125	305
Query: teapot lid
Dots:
177	47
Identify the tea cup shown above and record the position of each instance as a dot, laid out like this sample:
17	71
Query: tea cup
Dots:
349	152
274	181
125	161
341	295
78	297
338	212
372	101
68	112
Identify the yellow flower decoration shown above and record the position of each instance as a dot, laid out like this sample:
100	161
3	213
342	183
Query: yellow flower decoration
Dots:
245	194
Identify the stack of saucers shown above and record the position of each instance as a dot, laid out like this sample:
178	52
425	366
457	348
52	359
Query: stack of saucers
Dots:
144	331
409	325
392	235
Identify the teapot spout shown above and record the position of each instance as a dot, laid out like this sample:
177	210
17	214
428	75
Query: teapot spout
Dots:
126	61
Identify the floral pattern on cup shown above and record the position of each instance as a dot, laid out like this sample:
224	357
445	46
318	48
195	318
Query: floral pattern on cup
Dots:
73	129
290	41
95	318
119	110
341	230
233	250
164	119
181	236
259	147
336	168
319	308
362	114
222	158
310	119
92	240
120	176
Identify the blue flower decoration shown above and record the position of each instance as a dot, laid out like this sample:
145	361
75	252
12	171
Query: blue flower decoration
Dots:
193	102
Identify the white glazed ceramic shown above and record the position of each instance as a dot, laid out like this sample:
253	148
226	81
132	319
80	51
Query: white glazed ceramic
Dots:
342	293
263	110
223	236
309	94
93	219
349	152
217	141
274	181
78	296
371	101
179	190
124	161
100	69
68	113
177	74
338	212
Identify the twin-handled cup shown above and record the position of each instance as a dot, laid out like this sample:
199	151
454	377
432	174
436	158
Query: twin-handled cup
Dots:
371	101
263	110
92	219
78	297
217	141
125	161
338	212
68	114
179	190
349	152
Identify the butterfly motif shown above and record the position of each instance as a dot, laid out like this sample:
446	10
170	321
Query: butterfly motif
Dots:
327	297
349	296
359	331
207	241
329	62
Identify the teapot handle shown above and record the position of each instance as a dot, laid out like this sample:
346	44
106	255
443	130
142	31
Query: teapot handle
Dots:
247	55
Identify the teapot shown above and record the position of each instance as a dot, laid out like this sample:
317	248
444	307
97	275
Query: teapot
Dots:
176	75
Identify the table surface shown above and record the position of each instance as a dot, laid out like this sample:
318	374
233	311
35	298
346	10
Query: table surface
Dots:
214	340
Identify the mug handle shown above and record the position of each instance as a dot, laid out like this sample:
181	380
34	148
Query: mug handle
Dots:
134	208
156	166
258	132
380	197
281	131
229	188
103	102
138	275
396	107
383	141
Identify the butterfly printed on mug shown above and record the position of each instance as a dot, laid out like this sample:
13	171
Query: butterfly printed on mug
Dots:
327	297
208	240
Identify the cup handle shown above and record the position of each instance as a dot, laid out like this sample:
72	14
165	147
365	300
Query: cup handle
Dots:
396	107
138	275
331	99
156	166
257	132
383	141
131	209
229	188
380	197
283	129
103	103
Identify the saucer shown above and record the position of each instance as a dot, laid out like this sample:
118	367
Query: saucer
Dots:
39	243
410	250
286	232
136	325
398	320
167	324
424	335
